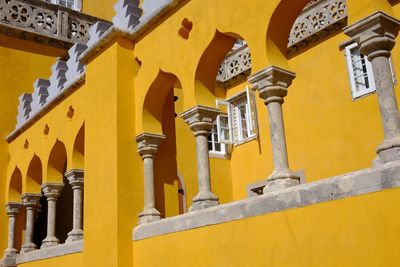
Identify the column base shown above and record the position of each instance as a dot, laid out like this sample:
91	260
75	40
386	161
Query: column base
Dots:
8	262
74	235
28	247
149	215
10	252
204	201
50	242
389	150
281	180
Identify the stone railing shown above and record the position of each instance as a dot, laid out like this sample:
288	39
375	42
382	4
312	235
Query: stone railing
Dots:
317	20
236	66
44	23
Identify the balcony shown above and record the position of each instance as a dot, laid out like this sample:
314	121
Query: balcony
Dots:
44	23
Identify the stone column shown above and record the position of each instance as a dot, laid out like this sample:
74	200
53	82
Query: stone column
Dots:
32	206
52	192
76	179
376	36
200	120
272	84
12	209
148	145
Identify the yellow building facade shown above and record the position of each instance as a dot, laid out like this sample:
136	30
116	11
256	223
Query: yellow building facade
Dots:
159	133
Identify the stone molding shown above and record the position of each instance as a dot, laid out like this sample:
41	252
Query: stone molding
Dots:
31	200
376	34
200	118
12	208
317	20
339	187
149	143
44	23
52	190
272	82
75	177
50	252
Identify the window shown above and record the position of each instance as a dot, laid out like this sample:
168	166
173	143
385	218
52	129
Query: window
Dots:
360	72
214	146
72	4
238	123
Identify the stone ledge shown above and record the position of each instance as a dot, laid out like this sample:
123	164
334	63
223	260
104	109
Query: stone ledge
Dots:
51	252
334	188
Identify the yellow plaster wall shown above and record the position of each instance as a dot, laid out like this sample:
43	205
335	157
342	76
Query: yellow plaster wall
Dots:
99	8
16	57
337	233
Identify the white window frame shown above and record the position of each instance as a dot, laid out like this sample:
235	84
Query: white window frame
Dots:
213	152
247	99
77	4
369	72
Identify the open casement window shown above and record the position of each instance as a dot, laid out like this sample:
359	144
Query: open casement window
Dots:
360	72
238	121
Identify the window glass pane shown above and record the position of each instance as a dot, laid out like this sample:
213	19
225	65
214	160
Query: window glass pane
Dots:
243	121
66	3
360	70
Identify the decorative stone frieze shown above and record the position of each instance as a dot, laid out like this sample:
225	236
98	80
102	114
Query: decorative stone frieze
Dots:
76	180
65	75
200	120
12	209
96	31
148	145
317	20
127	14
32	205
24	108
235	67
40	93
52	192
376	36
44	23
272	84
57	78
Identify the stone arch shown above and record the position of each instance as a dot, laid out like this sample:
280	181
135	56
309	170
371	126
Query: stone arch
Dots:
78	153
34	176
154	101
15	186
279	29
208	66
56	165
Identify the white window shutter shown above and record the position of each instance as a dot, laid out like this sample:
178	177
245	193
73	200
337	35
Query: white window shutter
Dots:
224	123
252	111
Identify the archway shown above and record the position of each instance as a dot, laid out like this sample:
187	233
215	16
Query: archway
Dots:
78	154
56	168
14	195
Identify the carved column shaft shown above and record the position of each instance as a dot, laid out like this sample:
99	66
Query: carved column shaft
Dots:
200	120
32	206
273	83
76	180
12	209
148	145
376	36
51	191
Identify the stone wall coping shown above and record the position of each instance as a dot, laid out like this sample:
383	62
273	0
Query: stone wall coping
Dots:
43	110
146	23
347	185
50	252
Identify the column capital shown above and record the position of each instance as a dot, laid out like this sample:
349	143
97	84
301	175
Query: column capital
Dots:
52	190
200	118
149	143
30	200
272	83
12	208
75	177
375	34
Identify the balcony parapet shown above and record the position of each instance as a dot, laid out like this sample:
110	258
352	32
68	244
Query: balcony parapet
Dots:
318	19
235	67
353	184
44	23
